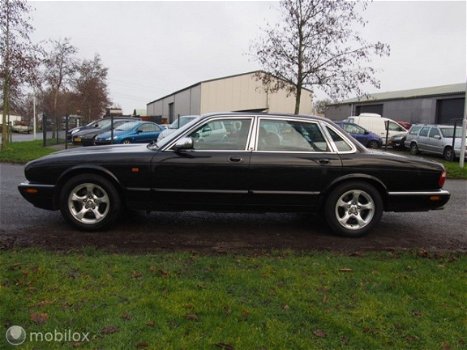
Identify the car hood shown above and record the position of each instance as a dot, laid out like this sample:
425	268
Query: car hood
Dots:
86	152
85	132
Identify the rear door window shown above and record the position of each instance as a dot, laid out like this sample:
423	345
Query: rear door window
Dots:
290	136
434	132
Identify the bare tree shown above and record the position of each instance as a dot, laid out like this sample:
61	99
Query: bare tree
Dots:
90	86
17	58
60	65
319	106
316	45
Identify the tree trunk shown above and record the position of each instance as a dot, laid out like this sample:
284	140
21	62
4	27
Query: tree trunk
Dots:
298	96
6	111
54	114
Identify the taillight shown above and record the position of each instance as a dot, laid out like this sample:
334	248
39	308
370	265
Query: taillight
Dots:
442	179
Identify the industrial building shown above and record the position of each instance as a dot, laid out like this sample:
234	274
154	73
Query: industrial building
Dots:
433	105
235	93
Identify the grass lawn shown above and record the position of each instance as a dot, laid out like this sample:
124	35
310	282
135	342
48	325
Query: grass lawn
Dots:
22	152
277	301
454	171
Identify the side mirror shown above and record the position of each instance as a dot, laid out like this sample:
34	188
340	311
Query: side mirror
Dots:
366	132
183	143
139	131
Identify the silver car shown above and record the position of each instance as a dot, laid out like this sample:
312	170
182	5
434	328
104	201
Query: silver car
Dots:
178	123
435	139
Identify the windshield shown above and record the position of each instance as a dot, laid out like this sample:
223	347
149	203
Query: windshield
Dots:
181	121
448	132
126	126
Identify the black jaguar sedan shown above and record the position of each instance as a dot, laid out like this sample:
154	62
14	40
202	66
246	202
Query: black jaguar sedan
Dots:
238	162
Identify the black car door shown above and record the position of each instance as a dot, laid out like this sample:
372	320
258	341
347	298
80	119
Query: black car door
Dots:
214	174
291	163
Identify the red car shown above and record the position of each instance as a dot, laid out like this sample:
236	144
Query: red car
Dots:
405	124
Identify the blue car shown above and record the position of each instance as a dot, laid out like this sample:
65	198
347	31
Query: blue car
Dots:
365	137
131	132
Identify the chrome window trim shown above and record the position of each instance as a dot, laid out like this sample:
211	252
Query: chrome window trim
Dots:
203	121
297	119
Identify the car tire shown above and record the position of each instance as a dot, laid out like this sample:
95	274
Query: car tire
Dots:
414	149
353	209
90	202
448	154
373	144
126	142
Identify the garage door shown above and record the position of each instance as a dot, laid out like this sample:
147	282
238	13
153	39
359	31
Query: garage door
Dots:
449	109
369	109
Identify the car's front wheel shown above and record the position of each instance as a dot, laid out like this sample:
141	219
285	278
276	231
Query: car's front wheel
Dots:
89	202
414	149
353	208
126	142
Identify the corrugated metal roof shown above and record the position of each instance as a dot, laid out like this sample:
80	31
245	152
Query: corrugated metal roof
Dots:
413	93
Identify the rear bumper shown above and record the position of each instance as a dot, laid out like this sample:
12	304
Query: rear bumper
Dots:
417	201
41	196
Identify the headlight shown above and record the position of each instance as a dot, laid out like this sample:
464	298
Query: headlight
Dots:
74	131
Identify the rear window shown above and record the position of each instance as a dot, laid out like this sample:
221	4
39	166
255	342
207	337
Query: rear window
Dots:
448	132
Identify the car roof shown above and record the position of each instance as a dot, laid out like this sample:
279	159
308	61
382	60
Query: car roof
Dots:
269	115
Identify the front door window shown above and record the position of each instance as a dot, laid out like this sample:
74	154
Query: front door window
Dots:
222	134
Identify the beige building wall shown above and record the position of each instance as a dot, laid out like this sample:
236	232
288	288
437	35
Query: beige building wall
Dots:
244	92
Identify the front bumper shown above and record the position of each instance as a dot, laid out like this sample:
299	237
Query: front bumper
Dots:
417	201
41	196
102	142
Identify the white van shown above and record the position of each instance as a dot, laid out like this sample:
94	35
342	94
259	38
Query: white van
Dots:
376	125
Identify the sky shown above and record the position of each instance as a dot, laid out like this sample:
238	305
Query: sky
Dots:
154	48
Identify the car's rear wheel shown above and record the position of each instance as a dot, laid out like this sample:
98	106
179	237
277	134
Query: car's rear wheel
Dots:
448	154
126	142
89	202
373	144
414	149
353	209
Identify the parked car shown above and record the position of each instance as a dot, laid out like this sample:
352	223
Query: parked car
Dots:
434	139
311	165
178	123
378	126
131	132
21	127
71	132
397	141
91	125
87	137
365	137
405	124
